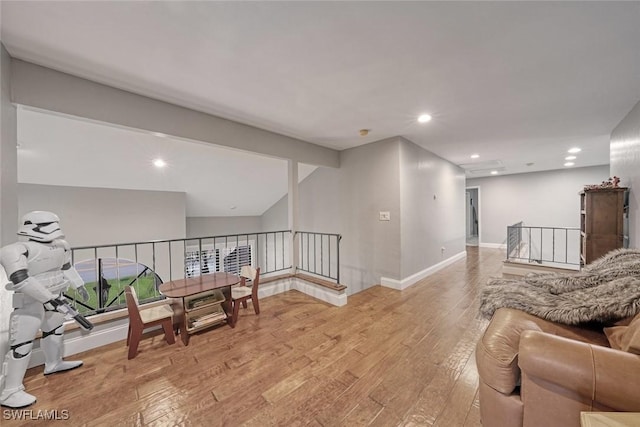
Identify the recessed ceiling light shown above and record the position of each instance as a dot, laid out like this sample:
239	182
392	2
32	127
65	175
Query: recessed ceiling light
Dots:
570	158
569	164
424	118
159	134
494	172
159	163
475	156
574	150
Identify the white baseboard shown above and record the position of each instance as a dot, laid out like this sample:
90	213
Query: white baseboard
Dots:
338	299
291	283
274	288
493	245
415	278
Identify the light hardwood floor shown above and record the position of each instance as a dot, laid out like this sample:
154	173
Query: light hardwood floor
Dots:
388	358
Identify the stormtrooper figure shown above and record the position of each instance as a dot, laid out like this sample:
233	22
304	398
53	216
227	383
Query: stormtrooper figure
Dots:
39	271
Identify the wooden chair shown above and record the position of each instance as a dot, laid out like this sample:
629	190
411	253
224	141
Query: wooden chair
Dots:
145	318
242	293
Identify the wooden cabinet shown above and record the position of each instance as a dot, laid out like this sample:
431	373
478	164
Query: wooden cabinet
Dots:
601	222
203	310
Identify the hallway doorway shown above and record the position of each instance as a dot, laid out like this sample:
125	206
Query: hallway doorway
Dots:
472	216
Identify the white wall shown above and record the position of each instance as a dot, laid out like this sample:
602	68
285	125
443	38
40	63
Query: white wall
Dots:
542	199
103	216
348	201
625	164
222	225
370	183
8	153
8	186
432	209
276	217
96	216
320	202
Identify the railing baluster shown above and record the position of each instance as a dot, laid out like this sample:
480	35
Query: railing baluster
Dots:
566	246
95	256
170	263
184	250
257	255
135	249
153	255
321	254
200	256
308	251
329	248
338	238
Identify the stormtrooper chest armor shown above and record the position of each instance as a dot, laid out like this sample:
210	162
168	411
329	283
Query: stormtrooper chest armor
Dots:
44	262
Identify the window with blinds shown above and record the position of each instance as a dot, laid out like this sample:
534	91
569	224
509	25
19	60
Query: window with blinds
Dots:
229	259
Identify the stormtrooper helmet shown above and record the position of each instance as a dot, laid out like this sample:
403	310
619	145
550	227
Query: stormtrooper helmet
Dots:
41	226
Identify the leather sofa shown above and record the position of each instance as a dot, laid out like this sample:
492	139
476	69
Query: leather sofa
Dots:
534	372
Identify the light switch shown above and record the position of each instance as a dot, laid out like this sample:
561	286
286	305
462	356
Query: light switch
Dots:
385	216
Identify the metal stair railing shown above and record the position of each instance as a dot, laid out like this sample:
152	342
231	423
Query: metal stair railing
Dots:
319	254
107	269
532	244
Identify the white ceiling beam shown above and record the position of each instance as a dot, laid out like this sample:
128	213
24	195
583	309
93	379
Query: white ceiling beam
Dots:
44	88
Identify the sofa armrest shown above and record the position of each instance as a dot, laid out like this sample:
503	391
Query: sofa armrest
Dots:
600	374
497	349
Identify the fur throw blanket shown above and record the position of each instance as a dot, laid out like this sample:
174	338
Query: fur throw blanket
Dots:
606	290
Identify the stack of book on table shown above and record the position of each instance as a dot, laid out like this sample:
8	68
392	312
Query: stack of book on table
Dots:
206	319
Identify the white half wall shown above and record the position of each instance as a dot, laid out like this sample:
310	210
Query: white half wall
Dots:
540	199
625	164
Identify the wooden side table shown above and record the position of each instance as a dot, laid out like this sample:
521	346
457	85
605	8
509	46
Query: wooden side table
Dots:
212	290
609	419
